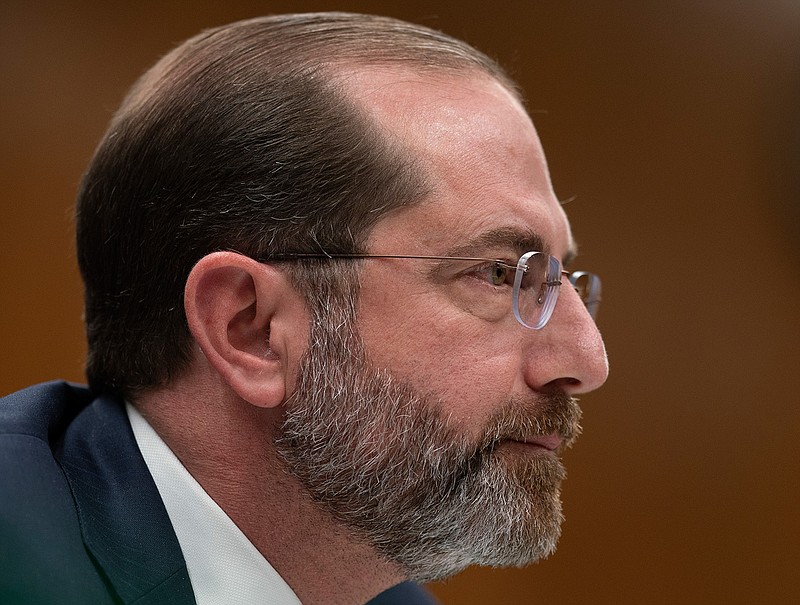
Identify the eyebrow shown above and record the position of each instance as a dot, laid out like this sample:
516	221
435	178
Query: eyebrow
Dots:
502	237
520	241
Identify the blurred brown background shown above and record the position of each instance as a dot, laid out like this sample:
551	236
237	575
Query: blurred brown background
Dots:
674	125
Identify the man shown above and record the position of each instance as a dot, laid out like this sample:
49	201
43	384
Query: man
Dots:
331	344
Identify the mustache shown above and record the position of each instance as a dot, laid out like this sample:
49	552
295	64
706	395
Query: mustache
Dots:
524	419
521	419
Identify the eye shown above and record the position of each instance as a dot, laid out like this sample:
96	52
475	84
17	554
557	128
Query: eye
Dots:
499	274
496	274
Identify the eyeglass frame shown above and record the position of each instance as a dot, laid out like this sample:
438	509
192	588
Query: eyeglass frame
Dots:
591	302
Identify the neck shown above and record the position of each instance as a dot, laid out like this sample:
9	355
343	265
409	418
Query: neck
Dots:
226	444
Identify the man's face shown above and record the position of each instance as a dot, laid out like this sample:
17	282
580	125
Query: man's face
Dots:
432	423
383	457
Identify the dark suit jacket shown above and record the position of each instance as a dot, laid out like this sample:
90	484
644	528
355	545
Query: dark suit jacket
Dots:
81	521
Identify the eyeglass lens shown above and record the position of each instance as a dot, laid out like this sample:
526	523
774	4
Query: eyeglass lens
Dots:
536	287
588	287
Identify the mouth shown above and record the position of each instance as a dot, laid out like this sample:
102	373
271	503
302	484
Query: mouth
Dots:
549	443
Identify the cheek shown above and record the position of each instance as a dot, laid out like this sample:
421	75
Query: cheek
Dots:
471	365
472	377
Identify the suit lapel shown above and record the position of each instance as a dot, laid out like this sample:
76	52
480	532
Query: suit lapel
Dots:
123	520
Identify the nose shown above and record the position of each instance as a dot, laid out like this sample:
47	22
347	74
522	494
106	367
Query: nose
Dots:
568	354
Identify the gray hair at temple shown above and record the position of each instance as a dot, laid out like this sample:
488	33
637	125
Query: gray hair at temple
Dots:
242	138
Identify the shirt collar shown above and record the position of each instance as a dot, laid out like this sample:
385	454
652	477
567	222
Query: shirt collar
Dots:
223	565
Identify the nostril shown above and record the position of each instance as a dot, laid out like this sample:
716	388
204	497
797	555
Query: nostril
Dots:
566	384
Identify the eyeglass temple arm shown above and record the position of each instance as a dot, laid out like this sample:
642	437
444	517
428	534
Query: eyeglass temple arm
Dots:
292	256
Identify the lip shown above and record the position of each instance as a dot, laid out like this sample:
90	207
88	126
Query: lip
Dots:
548	442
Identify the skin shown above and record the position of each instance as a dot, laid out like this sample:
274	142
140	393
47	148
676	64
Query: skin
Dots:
487	170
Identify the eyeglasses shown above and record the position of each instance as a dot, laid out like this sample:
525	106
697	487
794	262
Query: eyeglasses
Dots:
536	281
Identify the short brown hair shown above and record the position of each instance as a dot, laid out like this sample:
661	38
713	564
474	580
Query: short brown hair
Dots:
239	139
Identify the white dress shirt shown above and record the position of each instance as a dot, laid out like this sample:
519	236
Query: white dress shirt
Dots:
224	566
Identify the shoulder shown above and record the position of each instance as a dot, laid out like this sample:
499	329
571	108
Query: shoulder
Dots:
42	554
32	426
42	411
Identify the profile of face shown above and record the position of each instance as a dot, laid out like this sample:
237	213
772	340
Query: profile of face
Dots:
381	455
430	421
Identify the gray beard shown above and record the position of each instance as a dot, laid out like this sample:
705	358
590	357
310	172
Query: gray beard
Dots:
382	458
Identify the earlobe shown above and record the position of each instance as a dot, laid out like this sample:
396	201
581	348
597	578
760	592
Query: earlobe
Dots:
241	314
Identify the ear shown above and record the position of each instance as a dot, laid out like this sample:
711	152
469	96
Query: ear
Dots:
249	322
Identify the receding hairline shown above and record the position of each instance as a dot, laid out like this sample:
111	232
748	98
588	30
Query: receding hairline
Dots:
325	45
353	39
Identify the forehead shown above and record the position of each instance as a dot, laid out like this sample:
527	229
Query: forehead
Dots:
478	148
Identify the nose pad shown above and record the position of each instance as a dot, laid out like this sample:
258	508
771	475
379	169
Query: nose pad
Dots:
542	292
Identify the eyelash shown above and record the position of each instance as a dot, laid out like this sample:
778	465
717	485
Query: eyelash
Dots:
486	273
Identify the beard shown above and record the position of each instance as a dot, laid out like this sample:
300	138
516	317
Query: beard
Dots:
383	458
